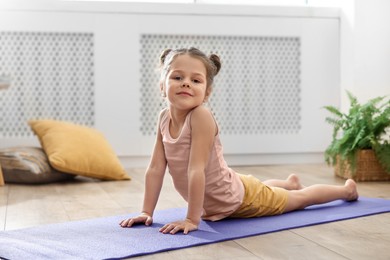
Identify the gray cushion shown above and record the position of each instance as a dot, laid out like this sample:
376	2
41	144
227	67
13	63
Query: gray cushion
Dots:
29	165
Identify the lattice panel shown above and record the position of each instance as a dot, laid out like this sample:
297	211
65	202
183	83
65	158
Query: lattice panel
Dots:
52	77
256	92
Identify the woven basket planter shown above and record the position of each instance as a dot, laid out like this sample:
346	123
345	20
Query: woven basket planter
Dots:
367	168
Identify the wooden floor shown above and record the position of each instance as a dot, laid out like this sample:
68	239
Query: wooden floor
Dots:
362	238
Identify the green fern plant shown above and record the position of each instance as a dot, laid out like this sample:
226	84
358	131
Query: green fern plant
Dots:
365	126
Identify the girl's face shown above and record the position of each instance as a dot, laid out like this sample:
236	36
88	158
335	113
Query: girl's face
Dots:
185	85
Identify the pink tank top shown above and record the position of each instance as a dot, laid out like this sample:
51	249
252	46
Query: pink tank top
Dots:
224	190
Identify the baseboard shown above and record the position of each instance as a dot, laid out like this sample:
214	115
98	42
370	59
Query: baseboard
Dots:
241	159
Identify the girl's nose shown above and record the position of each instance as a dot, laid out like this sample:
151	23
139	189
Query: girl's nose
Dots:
186	84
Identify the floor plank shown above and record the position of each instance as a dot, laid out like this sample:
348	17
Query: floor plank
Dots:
360	238
287	245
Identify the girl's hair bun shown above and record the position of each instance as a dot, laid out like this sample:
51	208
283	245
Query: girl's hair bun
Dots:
214	58
164	55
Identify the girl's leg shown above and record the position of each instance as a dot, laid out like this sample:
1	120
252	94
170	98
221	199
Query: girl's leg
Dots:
320	193
291	183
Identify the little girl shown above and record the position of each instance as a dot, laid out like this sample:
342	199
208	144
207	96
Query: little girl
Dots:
188	143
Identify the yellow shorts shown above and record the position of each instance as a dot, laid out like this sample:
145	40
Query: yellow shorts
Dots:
260	200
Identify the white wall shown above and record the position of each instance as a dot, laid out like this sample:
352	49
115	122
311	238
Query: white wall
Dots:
365	49
117	28
372	39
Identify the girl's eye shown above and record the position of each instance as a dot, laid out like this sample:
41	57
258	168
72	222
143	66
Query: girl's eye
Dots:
196	81
177	77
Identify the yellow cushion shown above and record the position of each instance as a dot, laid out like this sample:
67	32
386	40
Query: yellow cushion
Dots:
78	150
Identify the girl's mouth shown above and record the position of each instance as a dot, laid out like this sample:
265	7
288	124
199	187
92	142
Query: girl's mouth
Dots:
183	93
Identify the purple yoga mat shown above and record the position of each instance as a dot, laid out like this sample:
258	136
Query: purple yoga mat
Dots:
103	238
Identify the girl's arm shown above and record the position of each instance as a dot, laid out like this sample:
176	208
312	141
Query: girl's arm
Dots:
203	131
154	177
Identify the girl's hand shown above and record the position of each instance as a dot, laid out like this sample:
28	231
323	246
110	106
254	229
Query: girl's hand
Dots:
143	218
185	226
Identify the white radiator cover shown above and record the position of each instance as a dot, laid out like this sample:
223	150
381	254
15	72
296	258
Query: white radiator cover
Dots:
52	77
256	92
278	71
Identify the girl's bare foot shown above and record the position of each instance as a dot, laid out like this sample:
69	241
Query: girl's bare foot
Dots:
294	183
352	190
